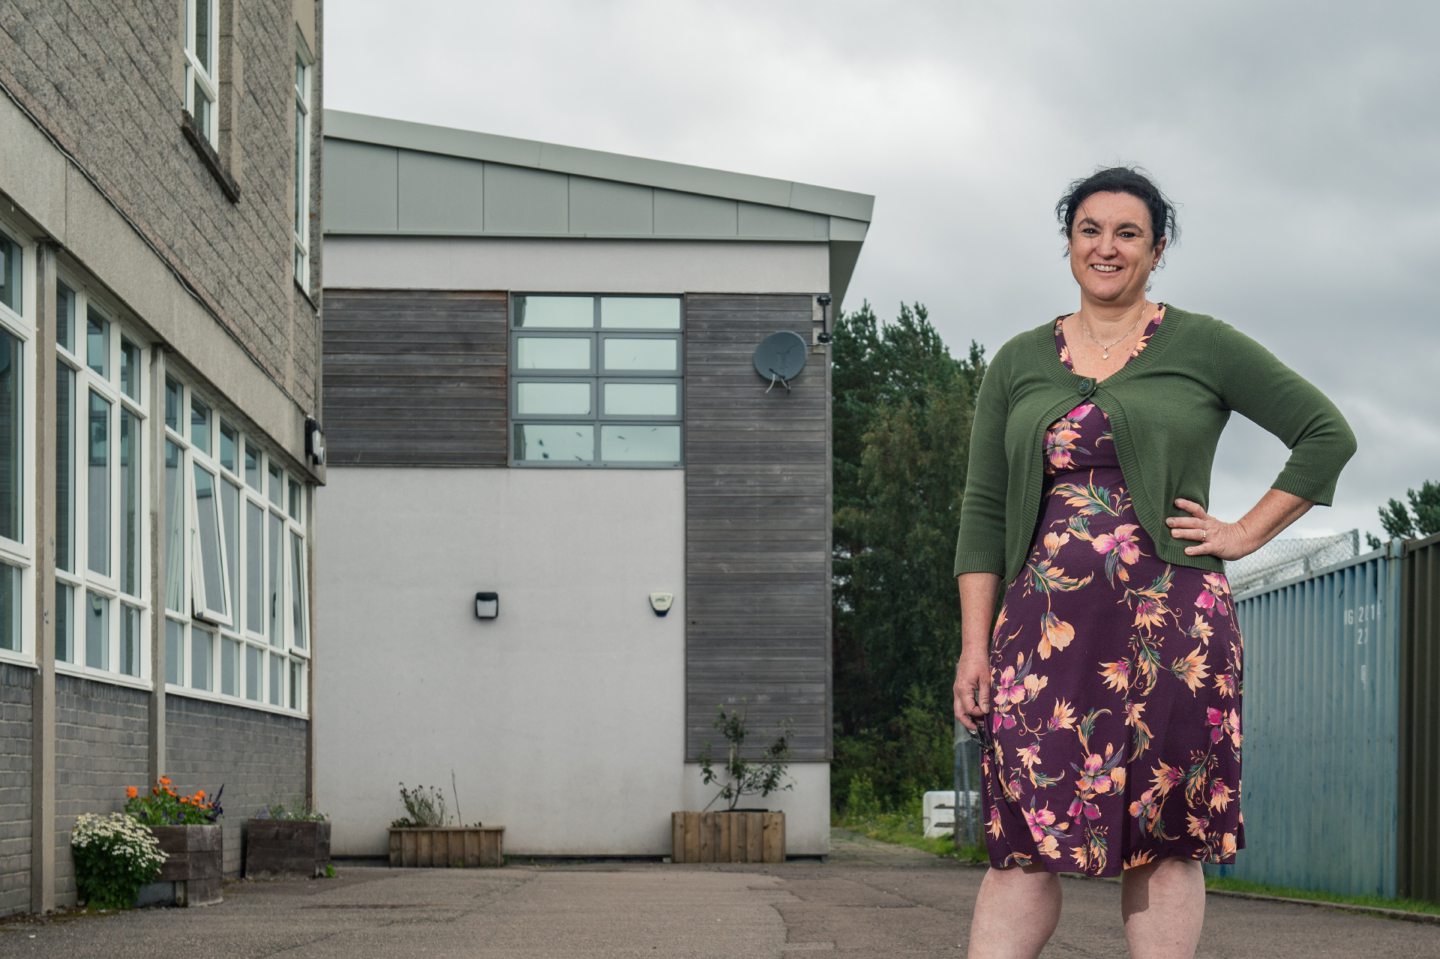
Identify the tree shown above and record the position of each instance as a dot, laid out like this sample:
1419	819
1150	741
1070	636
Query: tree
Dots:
1420	520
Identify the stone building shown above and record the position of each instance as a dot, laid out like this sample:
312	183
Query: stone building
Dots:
159	363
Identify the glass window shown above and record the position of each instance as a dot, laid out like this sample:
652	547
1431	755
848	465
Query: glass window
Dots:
12	446
277	680
298	620
130	369
65	317
554	442
129	503
230	514
10	273
555	312
254	672
174	530
10	595
276	612
294	489
230	667
97	481
64	622
64	467
641	399
541	398
229	444
640	312
255	568
202	648
277	486
201	51
200	425
637	443
553	353
302	170
212	592
97	630
130	640
624	353
252	467
97	342
174	402
297	684
174	651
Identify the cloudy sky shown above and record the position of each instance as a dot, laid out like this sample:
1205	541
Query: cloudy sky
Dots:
1301	141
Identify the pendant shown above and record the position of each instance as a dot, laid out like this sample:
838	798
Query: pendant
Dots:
1105	354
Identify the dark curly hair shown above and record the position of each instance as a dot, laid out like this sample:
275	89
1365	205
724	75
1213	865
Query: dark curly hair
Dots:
1120	179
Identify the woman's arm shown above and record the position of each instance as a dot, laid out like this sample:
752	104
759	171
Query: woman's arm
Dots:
978	592
1276	510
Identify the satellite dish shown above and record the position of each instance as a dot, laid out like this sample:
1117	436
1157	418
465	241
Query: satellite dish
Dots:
781	356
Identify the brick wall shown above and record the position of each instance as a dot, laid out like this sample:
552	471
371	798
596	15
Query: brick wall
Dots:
16	687
102	78
101	746
258	757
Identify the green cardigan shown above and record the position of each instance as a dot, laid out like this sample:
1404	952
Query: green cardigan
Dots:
1167	406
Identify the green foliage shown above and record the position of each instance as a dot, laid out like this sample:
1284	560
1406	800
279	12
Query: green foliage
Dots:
1420	520
424	807
896	761
740	776
1228	884
163	806
903	408
907	829
298	812
114	856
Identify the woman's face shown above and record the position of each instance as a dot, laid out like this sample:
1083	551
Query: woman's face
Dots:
1113	249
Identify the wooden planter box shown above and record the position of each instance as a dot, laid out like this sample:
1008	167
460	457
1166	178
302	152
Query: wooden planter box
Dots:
194	866
282	847
727	837
458	846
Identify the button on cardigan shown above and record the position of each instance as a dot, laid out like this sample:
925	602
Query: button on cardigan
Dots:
1167	407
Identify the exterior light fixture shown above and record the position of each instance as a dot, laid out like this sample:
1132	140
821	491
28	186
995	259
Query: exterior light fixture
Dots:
824	300
661	602
314	441
487	605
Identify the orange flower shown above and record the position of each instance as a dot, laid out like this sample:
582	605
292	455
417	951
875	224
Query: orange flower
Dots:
131	792
164	780
199	794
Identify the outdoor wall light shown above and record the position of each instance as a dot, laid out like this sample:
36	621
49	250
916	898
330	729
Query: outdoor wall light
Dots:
487	605
661	602
314	441
824	335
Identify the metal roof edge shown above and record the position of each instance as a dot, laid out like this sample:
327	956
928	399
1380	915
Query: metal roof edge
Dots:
618	167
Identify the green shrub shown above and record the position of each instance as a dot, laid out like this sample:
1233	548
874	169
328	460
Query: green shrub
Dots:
114	856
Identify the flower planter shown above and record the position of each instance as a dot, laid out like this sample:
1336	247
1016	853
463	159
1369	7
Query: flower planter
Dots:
739	836
458	846
194	866
286	847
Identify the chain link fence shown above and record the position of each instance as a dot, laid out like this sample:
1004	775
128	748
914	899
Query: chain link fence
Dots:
1283	559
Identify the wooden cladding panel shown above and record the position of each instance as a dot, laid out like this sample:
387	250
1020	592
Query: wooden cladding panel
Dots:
757	527
416	378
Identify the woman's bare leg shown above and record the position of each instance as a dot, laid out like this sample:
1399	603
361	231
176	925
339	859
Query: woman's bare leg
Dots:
1015	913
1164	908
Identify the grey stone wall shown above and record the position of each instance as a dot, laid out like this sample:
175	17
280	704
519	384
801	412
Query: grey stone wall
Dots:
103	80
16	689
258	757
101	741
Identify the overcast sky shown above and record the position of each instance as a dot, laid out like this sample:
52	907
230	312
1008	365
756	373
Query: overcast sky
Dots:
1301	141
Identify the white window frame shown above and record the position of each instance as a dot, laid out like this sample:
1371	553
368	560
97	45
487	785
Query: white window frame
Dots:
236	628
21	553
195	71
82	581
304	87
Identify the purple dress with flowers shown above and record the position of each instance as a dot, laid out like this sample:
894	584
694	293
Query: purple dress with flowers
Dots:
1114	735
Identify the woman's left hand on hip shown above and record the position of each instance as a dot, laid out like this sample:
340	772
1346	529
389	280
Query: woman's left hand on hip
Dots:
1209	536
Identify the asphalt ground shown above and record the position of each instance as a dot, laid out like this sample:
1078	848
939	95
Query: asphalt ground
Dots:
868	900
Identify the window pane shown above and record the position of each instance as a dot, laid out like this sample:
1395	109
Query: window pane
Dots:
633	354
641	399
639	312
97	478
552	399
298	616
555	312
276	583
277	486
211	562
174	401
64	316
202	650
640	444
97	631
129	640
554	443
252	466
10	593
230	513
64	467
204	25
174	530
200	425
174	651
277	680
129	503
302	215
10	258
230	667
130	369
254	672
552	353
254	568
229	445
297	684
64	623
294	489
97	342
12	476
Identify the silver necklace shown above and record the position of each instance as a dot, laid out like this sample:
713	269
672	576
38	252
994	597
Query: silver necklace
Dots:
1106	347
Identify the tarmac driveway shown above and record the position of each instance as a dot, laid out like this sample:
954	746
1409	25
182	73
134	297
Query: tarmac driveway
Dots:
868	900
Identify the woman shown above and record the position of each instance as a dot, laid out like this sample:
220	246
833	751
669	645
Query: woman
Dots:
1106	690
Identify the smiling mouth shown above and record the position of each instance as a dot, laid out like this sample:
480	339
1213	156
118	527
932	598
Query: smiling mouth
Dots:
1104	268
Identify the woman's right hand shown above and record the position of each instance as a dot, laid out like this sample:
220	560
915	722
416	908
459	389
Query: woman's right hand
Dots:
972	688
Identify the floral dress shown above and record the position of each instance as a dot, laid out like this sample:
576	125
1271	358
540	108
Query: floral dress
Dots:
1114	735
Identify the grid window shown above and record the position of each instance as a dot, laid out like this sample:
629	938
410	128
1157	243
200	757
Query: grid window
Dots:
102	608
302	166
202	55
596	381
17	445
238	615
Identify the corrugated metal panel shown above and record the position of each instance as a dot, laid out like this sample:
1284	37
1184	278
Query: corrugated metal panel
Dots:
1321	720
1420	722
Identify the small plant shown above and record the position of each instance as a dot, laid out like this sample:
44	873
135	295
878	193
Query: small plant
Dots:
114	856
740	776
297	813
163	806
424	808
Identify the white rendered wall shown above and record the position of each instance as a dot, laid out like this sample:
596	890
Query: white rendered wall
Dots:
563	720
